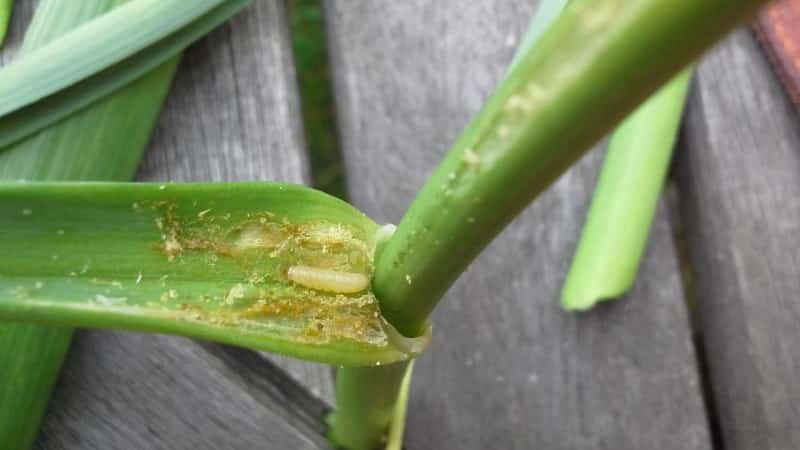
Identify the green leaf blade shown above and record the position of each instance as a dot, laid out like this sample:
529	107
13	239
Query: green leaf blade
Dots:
208	261
42	113
126	30
624	202
103	141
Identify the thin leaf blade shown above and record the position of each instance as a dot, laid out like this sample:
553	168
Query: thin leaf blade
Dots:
126	30
49	110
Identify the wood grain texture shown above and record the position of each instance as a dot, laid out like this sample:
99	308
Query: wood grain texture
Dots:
508	368
232	115
740	190
132	391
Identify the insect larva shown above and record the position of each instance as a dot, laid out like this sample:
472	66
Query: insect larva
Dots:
328	280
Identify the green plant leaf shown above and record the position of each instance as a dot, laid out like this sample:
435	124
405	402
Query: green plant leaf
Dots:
103	141
624	202
211	261
35	116
78	54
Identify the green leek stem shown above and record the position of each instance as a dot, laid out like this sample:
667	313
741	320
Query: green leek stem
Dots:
373	409
598	60
365	405
625	199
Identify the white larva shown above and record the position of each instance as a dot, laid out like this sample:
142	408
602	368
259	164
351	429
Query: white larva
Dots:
328	280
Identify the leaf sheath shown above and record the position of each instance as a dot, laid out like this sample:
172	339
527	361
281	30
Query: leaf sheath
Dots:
210	261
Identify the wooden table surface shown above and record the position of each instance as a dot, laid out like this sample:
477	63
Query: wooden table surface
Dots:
706	360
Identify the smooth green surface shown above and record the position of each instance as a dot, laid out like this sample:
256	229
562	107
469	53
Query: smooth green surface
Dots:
207	261
625	199
27	120
365	405
101	142
78	54
5	15
590	69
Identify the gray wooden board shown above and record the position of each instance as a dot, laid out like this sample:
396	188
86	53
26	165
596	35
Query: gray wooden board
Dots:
739	173
508	368
232	115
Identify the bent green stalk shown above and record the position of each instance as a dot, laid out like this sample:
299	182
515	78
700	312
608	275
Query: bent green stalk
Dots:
362	416
525	137
590	69
101	142
624	202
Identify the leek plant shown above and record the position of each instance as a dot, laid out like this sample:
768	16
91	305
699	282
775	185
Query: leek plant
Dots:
271	266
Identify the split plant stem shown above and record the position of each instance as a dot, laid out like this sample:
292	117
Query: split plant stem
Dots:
624	202
210	261
101	142
598	60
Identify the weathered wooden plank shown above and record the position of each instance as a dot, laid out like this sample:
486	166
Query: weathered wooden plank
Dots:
132	391
740	190
508	368
232	115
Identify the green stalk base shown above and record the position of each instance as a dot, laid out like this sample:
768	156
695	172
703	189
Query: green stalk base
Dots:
365	405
